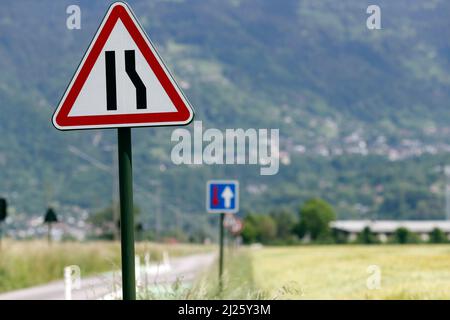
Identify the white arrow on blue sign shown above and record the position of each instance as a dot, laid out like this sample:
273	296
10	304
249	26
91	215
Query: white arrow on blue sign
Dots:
222	196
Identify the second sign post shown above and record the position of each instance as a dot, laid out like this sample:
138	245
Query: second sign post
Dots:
222	197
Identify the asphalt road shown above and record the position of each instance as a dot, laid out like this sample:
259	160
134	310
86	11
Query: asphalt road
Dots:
108	286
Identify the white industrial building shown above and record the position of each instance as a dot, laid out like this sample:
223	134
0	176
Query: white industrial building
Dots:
385	228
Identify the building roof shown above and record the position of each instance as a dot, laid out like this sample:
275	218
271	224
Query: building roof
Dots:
389	226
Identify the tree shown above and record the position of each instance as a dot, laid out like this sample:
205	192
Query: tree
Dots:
50	218
249	232
104	220
367	237
315	217
285	221
437	236
259	228
267	229
403	235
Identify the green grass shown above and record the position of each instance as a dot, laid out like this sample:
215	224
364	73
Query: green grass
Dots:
237	282
29	263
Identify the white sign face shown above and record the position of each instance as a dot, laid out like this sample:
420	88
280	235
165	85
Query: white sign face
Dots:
122	81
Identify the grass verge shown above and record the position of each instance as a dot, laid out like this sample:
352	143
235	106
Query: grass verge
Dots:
28	263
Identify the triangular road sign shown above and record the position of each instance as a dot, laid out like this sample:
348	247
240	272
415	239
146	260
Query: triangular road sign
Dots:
121	81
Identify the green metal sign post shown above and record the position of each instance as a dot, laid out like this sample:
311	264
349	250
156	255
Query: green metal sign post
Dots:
221	240
126	213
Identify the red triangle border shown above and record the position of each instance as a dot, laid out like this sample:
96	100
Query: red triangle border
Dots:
61	118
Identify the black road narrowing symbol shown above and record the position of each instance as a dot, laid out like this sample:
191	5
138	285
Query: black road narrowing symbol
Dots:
111	90
130	68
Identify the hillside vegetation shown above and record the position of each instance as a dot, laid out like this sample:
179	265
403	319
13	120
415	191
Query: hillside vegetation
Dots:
310	68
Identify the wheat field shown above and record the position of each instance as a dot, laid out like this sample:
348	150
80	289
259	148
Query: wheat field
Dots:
348	272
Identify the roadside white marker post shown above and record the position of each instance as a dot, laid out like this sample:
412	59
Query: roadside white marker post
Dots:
72	280
137	260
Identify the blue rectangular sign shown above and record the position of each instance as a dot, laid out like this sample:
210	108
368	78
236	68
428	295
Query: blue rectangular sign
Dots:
222	196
